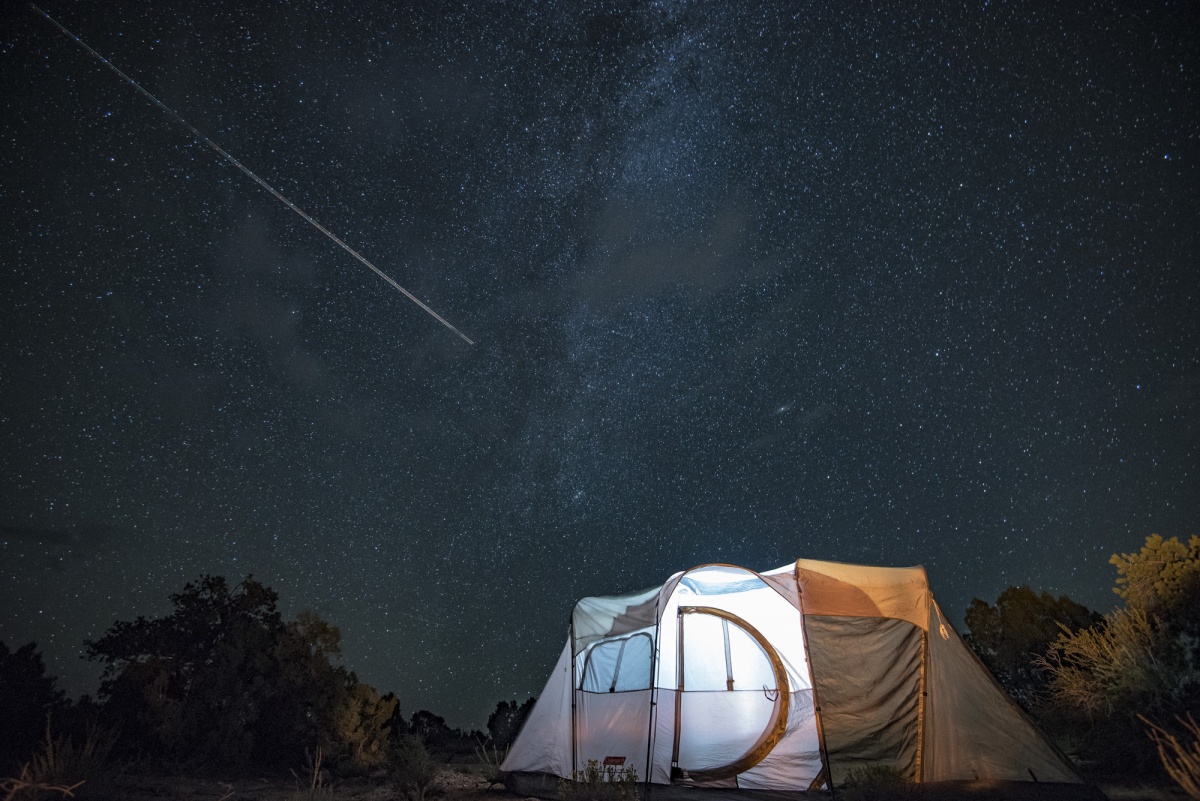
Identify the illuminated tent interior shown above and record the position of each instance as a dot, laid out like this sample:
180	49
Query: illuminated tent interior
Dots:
788	680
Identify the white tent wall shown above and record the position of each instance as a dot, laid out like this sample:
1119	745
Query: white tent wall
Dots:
613	729
544	743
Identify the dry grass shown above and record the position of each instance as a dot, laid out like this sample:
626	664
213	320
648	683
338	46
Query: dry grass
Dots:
317	786
490	758
62	766
1093	669
25	785
1181	759
598	782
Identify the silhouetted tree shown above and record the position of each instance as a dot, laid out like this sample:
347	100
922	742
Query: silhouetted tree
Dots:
1010	636
224	678
442	741
505	722
396	723
27	696
431	729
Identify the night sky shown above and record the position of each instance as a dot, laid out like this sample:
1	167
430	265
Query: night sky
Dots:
748	281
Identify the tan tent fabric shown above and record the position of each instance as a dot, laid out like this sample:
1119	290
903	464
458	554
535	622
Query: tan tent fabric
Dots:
832	588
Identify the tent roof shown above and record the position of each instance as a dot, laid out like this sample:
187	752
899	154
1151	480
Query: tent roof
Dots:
826	588
833	588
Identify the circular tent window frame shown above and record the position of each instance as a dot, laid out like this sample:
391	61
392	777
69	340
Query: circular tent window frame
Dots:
776	726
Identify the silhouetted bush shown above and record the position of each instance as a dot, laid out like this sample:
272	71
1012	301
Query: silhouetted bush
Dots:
411	767
224	679
1141	659
1010	636
28	696
84	764
505	722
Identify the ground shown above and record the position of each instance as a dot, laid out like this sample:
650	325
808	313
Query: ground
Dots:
452	784
466	783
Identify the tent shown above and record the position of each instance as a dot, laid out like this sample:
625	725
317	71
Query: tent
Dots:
787	680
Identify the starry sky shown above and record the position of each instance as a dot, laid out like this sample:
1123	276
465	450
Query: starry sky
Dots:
913	283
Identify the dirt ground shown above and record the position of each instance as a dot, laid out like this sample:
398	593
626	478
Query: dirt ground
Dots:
452	784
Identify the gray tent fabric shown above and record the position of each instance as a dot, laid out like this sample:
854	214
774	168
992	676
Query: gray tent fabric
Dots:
867	673
787	681
975	730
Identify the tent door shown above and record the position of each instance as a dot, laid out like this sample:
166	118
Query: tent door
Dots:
731	704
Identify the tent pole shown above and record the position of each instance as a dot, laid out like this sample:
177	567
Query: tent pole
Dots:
921	696
653	711
678	692
812	679
574	696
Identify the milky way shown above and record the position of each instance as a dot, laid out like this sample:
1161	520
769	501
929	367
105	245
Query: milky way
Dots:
748	282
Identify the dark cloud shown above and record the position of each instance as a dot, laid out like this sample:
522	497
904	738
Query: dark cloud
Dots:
81	538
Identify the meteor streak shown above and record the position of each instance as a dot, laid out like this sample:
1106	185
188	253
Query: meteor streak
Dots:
225	155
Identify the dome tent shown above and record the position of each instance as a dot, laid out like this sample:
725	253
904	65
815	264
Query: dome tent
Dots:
787	680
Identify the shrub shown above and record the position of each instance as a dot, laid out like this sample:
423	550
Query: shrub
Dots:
317	786
490	758
24	785
505	723
599	783
64	766
1021	625
27	696
357	735
411	767
1111	666
1140	659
